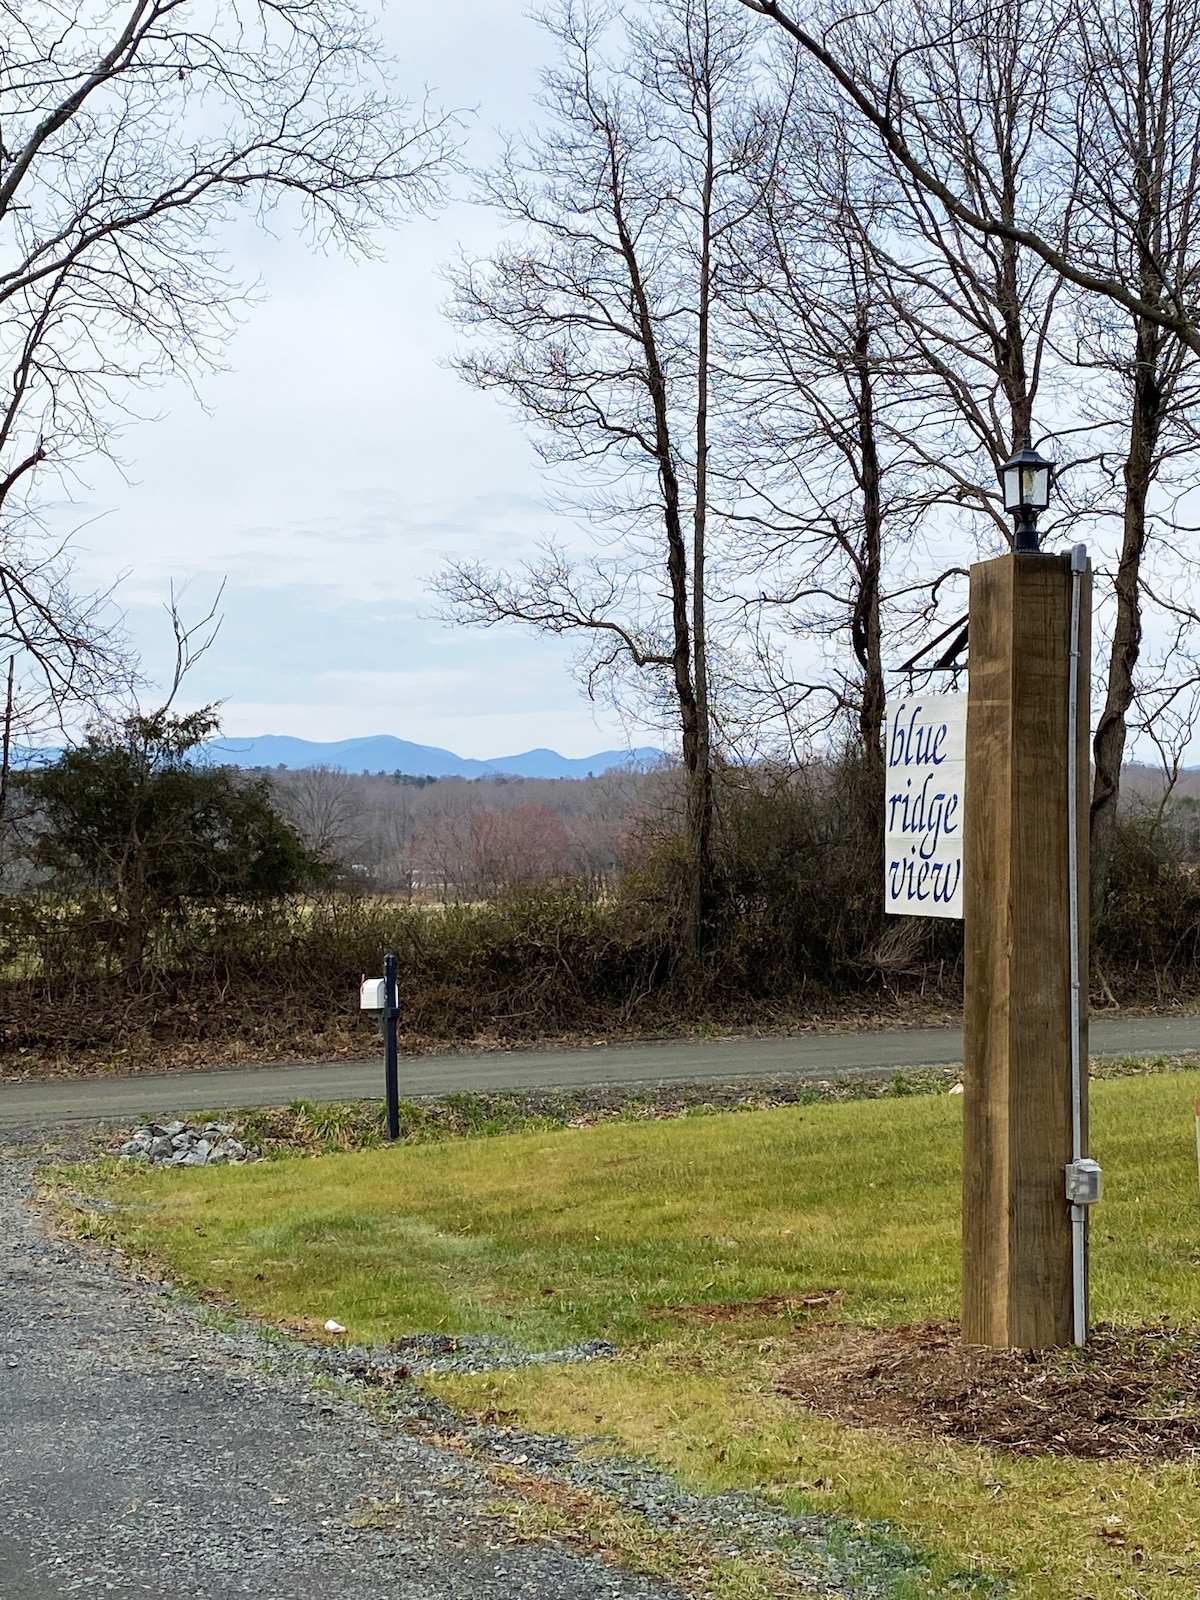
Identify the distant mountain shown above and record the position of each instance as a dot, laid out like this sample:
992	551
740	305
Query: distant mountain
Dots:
383	753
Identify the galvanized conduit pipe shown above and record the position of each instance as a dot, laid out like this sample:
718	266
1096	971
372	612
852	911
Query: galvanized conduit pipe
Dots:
1079	556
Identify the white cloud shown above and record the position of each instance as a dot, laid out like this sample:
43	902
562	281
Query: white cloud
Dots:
337	462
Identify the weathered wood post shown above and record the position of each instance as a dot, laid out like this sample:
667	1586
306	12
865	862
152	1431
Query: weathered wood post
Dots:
1017	1103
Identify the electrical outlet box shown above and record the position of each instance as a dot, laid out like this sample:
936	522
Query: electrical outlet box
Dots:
373	994
1085	1182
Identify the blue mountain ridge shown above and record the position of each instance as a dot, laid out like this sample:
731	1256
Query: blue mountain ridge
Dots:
384	753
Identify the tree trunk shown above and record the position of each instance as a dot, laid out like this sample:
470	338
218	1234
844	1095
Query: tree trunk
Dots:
6	755
693	725
701	803
865	627
1111	730
1150	386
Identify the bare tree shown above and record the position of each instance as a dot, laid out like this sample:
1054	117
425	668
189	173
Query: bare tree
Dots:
327	812
975	311
878	72
6	753
600	322
1138	131
1046	164
1169	716
68	648
131	133
899	357
829	476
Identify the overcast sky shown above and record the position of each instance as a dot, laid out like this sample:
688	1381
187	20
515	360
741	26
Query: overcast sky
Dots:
336	463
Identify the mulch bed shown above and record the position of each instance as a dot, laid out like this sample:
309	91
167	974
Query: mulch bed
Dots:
1132	1393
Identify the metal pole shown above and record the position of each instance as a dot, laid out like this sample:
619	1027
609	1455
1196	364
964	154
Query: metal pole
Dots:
1025	531
1078	1212
391	1011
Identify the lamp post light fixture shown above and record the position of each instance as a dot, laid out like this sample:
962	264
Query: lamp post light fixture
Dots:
1025	479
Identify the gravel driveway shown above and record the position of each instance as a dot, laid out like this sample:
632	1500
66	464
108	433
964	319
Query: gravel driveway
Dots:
143	1453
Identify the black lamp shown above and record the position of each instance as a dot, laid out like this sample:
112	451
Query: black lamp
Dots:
1025	479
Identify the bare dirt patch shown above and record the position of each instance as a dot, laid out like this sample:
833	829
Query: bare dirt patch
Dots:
1132	1393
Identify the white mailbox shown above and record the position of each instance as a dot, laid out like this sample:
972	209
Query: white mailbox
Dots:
373	994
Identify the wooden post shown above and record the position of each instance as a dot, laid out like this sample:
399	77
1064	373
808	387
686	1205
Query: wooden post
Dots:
1017	1012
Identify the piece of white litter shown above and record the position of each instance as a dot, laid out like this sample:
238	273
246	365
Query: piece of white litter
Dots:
957	1089
334	1327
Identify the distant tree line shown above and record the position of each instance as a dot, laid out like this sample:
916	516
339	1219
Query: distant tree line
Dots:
467	839
156	909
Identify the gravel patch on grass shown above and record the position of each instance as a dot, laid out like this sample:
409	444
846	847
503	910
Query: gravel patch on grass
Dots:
829	1553
819	1553
423	1354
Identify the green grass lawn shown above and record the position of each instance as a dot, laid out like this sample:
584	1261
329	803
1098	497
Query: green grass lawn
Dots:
549	1237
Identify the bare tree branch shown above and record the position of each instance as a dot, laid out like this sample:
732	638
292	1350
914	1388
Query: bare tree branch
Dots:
1172	311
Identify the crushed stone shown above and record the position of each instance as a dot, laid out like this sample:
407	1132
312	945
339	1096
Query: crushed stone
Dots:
185	1144
426	1353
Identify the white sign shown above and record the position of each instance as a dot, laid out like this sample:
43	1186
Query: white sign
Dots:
923	822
